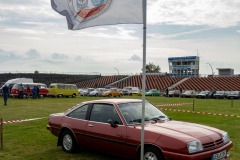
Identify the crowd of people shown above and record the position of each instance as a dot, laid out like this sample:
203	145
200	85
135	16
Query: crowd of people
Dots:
6	92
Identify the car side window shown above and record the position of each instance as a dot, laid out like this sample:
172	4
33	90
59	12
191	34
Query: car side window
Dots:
104	112
79	113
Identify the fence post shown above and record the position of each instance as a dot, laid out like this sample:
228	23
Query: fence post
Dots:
193	104
1	134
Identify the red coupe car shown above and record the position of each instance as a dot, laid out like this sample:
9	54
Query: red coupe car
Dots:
114	126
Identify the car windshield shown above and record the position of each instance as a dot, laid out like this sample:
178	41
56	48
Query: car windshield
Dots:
171	91
220	92
234	93
204	92
132	112
187	92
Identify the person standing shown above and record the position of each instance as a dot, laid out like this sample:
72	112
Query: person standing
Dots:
5	90
37	91
21	91
34	92
28	91
167	92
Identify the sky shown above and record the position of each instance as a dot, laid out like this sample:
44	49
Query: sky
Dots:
35	37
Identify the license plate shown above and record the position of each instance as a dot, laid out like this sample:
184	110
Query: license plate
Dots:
219	155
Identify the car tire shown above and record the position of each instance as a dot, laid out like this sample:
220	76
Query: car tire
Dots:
68	142
74	95
110	95
153	154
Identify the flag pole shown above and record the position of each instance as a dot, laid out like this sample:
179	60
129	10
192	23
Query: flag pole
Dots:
144	6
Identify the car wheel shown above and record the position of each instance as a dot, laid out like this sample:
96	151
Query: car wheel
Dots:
152	153
74	95
68	142
96	94
110	95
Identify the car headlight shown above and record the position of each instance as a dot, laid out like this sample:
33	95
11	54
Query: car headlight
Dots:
194	146
225	137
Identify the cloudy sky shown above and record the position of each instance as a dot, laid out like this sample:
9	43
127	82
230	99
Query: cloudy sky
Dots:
35	37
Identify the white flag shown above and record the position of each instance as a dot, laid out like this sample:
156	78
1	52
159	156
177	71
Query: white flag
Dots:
87	13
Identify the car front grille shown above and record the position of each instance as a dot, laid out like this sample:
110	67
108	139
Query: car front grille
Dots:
214	144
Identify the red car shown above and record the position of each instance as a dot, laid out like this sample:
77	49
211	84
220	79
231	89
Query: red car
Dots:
114	126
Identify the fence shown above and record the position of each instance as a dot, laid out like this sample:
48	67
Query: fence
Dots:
1	134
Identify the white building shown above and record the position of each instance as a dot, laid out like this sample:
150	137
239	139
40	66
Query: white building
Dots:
184	66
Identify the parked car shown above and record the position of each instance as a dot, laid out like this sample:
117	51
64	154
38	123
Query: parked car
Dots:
43	90
112	92
233	95
97	92
114	126
130	90
85	92
153	92
80	90
62	90
189	94
219	95
172	93
204	94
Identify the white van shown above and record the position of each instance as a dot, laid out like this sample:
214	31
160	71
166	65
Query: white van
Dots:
11	82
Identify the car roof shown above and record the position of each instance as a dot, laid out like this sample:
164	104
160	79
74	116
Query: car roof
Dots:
114	101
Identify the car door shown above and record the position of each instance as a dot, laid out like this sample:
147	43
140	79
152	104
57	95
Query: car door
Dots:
76	121
101	135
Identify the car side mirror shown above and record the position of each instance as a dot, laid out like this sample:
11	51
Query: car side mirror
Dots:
112	123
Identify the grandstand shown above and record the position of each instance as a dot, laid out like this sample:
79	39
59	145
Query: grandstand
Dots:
153	81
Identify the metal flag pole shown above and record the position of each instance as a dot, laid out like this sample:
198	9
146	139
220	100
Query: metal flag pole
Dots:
144	3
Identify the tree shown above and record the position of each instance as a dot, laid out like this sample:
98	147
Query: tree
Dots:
152	68
36	72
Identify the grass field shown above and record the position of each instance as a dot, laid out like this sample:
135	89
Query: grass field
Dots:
32	141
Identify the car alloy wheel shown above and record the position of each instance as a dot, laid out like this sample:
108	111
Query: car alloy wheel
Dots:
68	142
152	153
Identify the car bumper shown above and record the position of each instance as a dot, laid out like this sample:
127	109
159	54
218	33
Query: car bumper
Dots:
198	156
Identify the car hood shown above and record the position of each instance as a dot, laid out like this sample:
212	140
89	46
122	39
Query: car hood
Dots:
93	92
202	94
185	131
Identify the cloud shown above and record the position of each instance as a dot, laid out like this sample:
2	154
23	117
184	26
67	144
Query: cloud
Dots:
78	58
6	56
216	13
59	56
135	58
32	54
175	35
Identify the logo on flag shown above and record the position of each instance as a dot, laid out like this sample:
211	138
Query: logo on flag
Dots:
88	13
85	10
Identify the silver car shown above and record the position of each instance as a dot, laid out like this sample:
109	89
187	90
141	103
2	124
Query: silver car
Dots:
97	92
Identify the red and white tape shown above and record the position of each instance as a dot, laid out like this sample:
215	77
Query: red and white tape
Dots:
175	104
206	113
19	121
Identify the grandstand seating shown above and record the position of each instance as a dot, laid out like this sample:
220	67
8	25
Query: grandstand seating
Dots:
100	81
153	81
211	83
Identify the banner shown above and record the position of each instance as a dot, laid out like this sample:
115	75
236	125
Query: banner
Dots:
88	13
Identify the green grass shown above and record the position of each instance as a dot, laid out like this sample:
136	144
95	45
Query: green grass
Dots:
31	140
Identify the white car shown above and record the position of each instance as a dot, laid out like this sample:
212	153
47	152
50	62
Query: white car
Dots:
97	92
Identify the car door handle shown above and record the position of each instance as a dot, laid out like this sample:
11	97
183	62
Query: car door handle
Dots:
90	125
